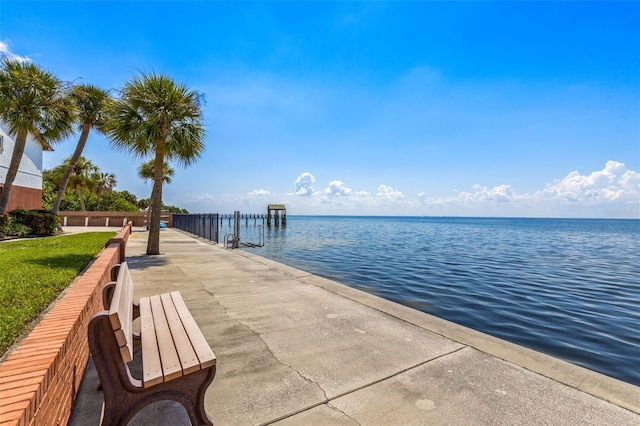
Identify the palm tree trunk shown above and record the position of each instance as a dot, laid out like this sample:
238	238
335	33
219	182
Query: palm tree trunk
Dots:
155	202
72	163
79	192
14	166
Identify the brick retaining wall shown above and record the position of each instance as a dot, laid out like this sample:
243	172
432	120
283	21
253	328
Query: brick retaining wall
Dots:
110	218
40	379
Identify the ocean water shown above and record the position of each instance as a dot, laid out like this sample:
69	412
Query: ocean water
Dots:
567	287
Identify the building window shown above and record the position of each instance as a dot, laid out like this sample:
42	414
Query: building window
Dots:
1	144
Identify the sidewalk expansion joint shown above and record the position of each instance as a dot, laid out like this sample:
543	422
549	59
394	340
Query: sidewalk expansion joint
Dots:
259	336
328	401
397	373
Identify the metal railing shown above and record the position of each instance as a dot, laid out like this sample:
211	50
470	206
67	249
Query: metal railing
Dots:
213	226
202	225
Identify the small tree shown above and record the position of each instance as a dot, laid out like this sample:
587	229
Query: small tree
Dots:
146	172
105	182
83	176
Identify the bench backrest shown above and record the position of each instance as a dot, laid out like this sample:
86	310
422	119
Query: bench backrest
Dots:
121	312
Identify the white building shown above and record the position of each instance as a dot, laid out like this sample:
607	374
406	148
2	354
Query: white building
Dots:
27	187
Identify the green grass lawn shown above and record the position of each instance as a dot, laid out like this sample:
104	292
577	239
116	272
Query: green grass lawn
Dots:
34	272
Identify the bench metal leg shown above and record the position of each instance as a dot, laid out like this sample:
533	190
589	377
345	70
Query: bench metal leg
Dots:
124	395
120	408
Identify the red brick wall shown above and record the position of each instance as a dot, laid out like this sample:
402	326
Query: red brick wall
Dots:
115	218
26	198
40	379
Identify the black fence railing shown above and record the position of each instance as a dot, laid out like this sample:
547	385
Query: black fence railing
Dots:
226	228
202	225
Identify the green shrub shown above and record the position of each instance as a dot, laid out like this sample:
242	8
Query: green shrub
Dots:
5	220
41	222
10	227
19	215
16	229
44	222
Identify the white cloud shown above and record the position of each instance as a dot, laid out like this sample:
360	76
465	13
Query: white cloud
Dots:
304	184
388	193
336	188
501	194
481	196
614	183
337	198
612	189
4	50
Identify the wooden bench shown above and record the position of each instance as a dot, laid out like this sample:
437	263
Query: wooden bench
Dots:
177	362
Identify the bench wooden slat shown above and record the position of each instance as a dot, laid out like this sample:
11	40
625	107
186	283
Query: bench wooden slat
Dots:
200	345
188	358
121	313
151	366
171	368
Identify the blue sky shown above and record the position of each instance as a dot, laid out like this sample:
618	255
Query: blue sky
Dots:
405	108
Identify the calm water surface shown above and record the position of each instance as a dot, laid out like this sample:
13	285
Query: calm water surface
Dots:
566	287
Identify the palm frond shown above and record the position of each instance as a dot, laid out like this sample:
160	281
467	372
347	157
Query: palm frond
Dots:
35	101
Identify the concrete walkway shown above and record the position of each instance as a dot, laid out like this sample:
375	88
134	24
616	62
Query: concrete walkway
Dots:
297	349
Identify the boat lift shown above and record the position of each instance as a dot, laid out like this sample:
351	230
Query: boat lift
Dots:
232	240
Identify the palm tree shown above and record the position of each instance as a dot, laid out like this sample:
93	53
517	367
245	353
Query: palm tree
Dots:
82	177
56	174
105	182
32	102
158	117
145	171
90	102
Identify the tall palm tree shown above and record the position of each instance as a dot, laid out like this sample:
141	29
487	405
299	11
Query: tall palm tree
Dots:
157	117
32	102
90	101
105	182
